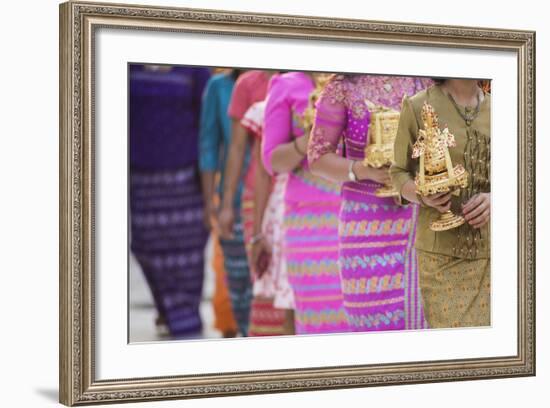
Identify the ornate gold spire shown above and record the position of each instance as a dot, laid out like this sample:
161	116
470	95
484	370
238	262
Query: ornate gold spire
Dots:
436	172
307	119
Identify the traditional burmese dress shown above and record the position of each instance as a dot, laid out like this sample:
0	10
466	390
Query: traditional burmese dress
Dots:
250	87
375	244
167	233
224	320
215	138
272	228
265	319
311	215
454	265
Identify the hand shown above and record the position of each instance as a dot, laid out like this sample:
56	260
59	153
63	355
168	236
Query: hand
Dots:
302	142
477	210
260	255
380	175
440	201
209	216
226	219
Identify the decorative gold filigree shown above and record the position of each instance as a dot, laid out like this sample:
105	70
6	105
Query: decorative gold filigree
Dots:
307	119
379	151
436	173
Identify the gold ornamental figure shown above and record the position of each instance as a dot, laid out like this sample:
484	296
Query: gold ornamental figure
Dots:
379	151
436	173
308	118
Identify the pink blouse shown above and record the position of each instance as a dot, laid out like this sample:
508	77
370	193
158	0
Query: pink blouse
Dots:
342	110
250	88
287	98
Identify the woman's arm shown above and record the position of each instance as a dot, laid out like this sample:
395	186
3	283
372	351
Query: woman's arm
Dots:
336	168
287	156
210	139
233	169
329	124
404	166
262	188
281	153
208	195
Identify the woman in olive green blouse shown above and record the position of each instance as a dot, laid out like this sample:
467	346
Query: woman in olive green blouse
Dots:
454	265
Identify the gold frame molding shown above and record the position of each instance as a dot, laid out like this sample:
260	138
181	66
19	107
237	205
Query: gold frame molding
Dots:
78	22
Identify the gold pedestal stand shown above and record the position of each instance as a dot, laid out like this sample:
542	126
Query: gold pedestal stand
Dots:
446	221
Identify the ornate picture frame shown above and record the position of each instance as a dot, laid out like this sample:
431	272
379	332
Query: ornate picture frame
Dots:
79	22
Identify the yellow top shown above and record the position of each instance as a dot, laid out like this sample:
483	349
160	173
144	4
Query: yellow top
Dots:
472	150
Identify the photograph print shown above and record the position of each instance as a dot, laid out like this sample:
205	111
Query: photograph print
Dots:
280	203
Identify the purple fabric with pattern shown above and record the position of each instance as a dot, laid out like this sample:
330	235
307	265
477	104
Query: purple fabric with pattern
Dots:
167	232
164	117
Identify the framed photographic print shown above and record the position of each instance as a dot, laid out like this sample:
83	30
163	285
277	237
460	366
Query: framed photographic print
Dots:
255	203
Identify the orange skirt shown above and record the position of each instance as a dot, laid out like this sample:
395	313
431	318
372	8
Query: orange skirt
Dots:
224	319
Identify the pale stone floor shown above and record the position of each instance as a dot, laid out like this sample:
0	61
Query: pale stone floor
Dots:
142	312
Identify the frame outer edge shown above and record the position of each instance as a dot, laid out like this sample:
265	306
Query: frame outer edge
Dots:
534	243
77	385
532	96
66	372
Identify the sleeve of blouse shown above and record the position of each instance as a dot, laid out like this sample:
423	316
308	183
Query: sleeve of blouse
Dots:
240	100
330	121
254	118
404	167
210	132
277	120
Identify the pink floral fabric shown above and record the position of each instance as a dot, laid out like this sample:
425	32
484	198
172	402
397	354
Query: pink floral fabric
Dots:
274	283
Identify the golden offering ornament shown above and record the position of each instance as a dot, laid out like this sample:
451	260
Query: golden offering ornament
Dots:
379	151
307	119
436	172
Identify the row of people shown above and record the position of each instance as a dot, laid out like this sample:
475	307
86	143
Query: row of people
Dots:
307	245
351	256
